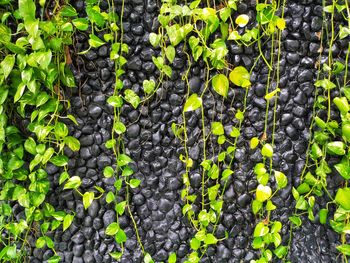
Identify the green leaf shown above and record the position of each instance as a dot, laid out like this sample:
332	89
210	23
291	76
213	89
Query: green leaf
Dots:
72	143
242	20
301	203
342	104
81	23
159	62
119	127
154	39
116	255
234	35
120	237
73	183
210	239
316	151
95	16
254	142
115	101
271	94
112	229
110	197
172	258
120	207
167	70
220	84
346	131
270	206
267	150
30	145
256	206
123	160
225	13
88	197
325	83
72	118
195	243
213	192
54	259
67	221
61	129
27	10
217	128
108	171
258	243
336	147
213	173
67	27
240	77
281	23
303	188
36	198
260	230
343	169
281	251
344	31
281	179
263	178
63	177
343	198
149	86
148	258
134	183
59	160
226	174
40	59
295	220
276	227
295	193
95	42
68	11
42	98
323	216
170	53
131	97
66	76
344	249
40	242
19	92
259	169
192	103
263	193
6	65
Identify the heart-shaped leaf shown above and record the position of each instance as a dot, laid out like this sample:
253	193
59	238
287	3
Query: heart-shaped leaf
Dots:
263	193
220	84
192	103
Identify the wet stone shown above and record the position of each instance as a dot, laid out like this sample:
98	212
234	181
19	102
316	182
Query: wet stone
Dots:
95	111
78	238
165	205
291	45
108	217
134	63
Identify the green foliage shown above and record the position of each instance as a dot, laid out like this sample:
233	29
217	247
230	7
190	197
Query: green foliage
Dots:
330	138
33	76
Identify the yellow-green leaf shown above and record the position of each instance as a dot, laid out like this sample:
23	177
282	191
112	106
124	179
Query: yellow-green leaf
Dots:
220	84
242	20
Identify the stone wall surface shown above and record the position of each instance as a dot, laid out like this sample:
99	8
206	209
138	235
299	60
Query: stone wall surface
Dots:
156	205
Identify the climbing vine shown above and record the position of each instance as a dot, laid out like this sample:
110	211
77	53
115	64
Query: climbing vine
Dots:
196	25
34	73
330	134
